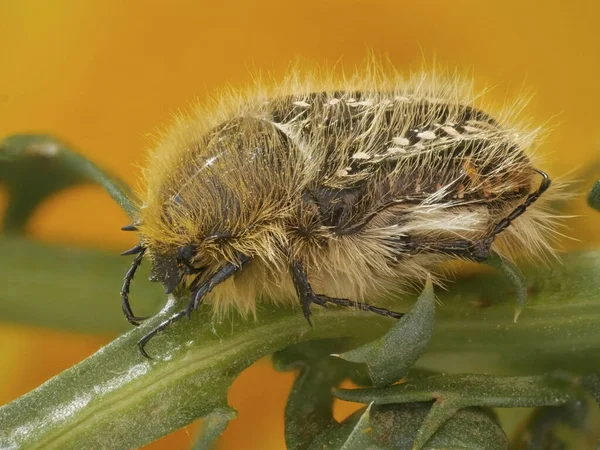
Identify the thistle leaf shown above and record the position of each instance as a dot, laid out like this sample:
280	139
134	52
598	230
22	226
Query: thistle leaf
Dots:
213	427
352	431
452	393
72	289
515	276
116	395
594	196
309	409
397	426
358	439
390	357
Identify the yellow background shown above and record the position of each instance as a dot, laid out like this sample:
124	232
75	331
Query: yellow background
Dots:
103	74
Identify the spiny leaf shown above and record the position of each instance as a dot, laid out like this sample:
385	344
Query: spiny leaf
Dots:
214	425
390	357
455	392
309	409
117	396
397	426
46	165
594	196
544	338
515	276
337	434
476	390
358	438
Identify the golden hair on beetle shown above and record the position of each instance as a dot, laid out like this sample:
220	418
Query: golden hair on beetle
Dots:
324	190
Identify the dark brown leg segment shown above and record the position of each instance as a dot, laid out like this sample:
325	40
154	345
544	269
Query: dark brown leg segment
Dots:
308	297
139	251
476	250
196	298
519	210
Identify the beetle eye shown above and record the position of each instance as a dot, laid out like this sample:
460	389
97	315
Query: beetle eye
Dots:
187	252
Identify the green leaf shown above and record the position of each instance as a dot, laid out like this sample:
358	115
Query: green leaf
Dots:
117	396
474	330
46	165
397	427
213	427
70	289
309	409
358	438
351	431
515	276
456	392
594	196
390	357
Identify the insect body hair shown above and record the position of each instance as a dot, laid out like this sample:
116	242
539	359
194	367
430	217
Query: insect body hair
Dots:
369	183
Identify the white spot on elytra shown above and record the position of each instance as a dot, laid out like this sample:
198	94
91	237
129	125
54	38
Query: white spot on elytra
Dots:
400	141
451	131
427	135
469	129
361	155
395	150
333	101
341	173
210	161
401	98
302	103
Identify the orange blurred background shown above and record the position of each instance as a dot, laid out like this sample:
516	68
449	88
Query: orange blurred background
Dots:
104	74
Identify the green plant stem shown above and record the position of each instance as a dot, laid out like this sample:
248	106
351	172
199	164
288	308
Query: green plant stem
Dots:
70	289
